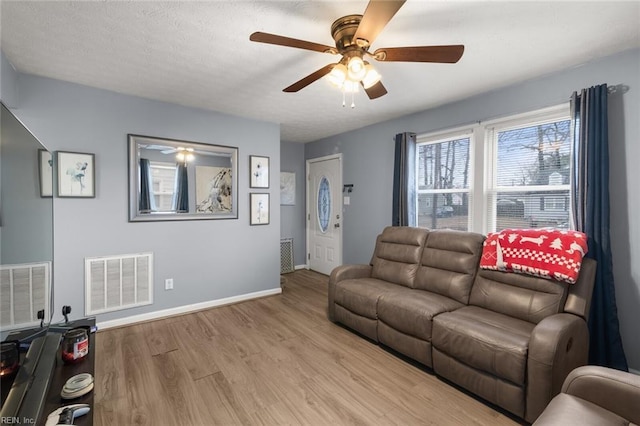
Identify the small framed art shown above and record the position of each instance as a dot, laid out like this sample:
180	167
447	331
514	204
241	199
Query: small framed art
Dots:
287	189
259	169
76	174
45	172
259	208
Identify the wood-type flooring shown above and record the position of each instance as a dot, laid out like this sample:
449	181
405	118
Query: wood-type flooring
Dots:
270	361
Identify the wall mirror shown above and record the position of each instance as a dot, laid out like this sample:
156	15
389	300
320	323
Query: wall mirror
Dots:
178	180
26	227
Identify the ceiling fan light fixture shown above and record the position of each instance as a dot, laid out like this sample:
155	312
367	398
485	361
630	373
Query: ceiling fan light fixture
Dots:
338	75
185	154
356	68
371	76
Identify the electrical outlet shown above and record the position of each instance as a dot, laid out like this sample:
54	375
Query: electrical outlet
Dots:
168	284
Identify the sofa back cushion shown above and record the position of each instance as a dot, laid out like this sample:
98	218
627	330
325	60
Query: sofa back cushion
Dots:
449	263
521	296
397	254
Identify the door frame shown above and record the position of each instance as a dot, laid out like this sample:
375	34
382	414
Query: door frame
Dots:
308	163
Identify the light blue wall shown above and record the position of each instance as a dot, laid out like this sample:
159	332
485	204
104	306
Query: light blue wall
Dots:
292	223
8	82
208	259
368	164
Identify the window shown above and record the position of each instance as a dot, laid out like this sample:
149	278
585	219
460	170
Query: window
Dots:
443	181
508	173
163	176
529	167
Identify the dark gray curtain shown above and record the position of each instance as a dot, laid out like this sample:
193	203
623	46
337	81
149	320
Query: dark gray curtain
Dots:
181	196
146	203
404	180
590	189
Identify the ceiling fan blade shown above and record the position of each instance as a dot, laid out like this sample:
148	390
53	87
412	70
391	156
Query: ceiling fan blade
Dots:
302	83
291	42
376	90
445	54
375	18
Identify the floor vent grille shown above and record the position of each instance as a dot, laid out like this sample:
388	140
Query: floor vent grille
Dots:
119	282
24	290
286	256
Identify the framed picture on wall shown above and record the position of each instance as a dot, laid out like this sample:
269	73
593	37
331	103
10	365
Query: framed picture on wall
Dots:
259	206
259	169
76	174
45	172
287	189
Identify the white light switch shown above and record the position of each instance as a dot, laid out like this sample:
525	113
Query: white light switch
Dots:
347	200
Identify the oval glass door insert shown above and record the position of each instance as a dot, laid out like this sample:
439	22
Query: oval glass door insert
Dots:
324	204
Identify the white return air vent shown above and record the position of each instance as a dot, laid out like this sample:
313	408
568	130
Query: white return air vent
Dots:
118	282
24	290
286	255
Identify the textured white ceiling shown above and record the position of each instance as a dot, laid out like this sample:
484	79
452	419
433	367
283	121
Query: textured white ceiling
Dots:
199	54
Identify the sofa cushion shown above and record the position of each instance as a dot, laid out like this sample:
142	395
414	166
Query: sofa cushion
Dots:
570	410
397	254
361	295
520	296
449	263
488	341
412	311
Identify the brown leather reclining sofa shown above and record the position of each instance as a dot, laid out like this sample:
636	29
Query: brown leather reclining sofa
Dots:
595	396
509	338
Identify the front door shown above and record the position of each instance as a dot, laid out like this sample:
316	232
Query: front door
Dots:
324	213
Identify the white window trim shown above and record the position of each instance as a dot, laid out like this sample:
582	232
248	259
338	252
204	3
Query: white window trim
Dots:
462	132
481	151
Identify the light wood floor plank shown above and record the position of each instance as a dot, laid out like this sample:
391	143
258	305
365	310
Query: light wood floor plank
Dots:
271	361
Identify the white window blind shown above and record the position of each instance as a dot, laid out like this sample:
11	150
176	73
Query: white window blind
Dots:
528	167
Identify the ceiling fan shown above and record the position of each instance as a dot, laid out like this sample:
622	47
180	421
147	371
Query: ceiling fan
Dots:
182	153
353	35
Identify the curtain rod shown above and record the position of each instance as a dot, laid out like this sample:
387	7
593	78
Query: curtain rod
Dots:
618	88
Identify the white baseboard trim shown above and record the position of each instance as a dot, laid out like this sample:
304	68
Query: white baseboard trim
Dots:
300	267
181	310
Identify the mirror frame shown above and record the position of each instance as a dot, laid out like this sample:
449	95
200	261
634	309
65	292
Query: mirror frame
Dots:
135	215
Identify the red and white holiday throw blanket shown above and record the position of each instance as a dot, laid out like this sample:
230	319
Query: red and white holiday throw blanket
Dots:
546	253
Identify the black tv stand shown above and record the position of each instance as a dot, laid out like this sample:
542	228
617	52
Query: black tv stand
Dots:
43	374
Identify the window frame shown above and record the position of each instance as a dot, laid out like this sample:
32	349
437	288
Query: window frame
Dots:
483	160
162	165
465	132
491	130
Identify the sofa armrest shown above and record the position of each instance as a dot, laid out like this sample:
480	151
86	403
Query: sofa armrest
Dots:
558	344
613	390
341	273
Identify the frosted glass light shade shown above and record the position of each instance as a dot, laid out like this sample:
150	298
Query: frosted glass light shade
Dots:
338	75
371	77
356	69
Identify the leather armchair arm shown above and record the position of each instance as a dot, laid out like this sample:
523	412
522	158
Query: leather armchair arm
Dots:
341	273
613	390
558	344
